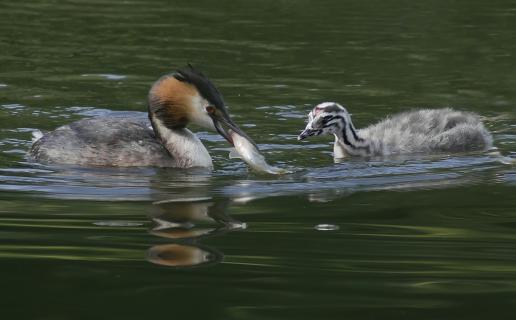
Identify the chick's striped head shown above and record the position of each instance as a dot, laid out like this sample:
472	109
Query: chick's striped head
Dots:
326	118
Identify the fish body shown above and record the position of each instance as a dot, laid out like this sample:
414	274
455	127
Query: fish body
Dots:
252	156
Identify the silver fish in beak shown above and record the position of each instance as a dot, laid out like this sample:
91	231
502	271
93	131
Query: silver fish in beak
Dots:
221	119
252	156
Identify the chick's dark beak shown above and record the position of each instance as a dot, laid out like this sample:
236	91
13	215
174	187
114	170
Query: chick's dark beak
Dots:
221	119
304	134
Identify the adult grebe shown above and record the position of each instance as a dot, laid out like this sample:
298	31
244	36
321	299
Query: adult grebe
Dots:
426	130
175	100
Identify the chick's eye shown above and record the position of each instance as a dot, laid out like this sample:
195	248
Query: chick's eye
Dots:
210	109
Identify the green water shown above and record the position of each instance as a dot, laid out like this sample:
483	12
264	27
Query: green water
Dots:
424	237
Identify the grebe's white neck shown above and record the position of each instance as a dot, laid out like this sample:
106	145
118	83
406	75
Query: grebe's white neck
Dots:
183	145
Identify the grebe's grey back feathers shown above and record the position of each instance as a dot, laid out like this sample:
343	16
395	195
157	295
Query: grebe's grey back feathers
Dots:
98	141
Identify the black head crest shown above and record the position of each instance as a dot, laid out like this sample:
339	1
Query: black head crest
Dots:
205	87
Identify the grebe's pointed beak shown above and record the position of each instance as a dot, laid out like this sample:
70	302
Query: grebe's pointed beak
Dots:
221	119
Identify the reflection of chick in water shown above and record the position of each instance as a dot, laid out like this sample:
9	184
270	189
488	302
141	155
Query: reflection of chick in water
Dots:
178	220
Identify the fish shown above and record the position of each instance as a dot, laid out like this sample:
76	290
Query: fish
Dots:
250	154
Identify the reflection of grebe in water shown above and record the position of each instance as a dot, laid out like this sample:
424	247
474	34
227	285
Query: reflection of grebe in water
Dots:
184	222
182	255
175	100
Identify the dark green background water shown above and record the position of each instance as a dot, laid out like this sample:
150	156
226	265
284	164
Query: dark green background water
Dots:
426	237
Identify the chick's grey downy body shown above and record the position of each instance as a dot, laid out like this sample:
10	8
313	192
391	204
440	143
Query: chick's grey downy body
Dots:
424	130
427	130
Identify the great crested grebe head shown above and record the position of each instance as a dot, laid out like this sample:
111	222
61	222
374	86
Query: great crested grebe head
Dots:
325	119
188	96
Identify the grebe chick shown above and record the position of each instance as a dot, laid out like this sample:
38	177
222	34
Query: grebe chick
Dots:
425	130
174	101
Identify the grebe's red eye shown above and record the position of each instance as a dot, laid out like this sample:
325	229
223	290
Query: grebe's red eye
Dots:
210	109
